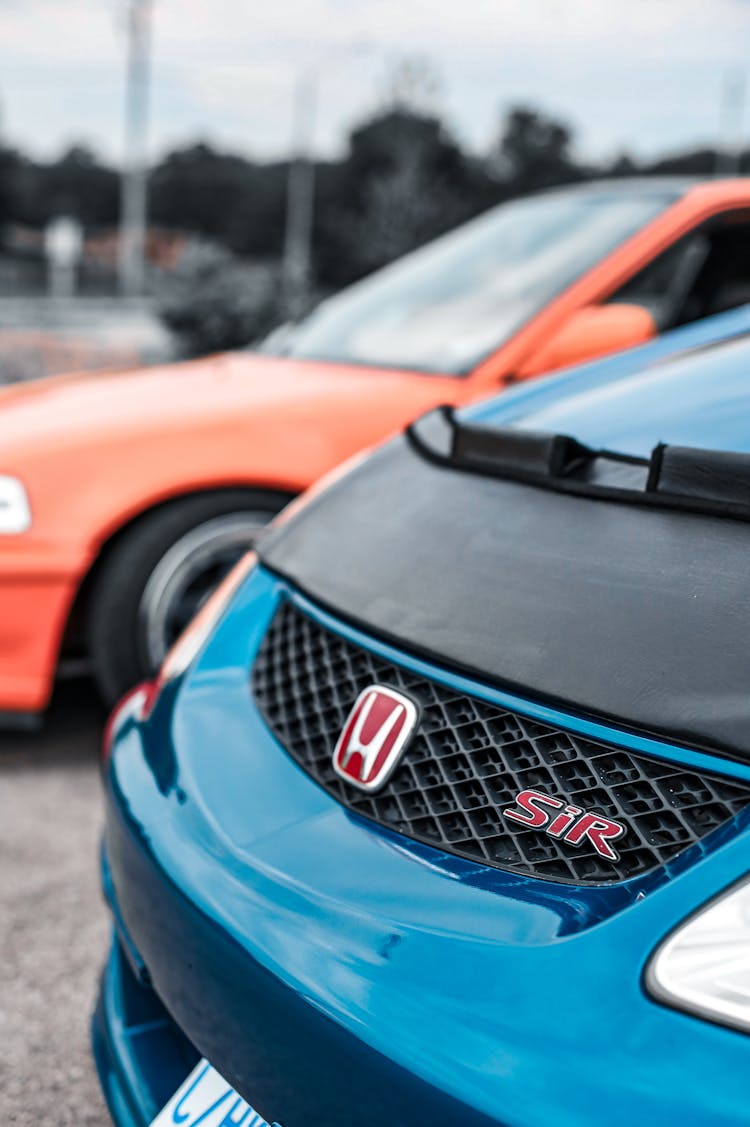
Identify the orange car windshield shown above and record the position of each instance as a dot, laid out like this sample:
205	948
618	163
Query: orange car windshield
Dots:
445	307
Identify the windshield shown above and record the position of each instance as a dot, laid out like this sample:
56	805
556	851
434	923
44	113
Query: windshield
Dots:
446	306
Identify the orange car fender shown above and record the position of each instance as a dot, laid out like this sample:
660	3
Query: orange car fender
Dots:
109	485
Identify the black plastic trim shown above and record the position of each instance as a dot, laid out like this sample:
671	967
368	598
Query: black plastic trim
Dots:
704	482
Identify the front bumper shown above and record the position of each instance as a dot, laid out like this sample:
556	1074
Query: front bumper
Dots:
37	590
140	1054
278	1047
336	975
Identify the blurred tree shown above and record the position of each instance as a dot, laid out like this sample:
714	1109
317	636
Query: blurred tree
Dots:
404	181
221	196
76	184
622	165
412	84
213	301
534	151
696	162
9	166
197	189
256	225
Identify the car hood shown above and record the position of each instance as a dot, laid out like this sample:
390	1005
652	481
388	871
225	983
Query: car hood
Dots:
76	410
696	399
550	581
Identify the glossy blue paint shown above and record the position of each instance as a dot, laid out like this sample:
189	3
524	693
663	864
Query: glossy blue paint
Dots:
494	994
340	974
574	722
669	390
140	1055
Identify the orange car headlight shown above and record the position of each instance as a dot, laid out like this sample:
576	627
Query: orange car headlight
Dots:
15	511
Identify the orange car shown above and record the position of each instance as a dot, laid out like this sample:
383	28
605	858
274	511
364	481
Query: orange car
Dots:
123	498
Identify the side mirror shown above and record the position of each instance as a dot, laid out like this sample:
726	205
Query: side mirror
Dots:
590	332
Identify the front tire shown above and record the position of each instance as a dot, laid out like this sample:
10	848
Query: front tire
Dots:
158	574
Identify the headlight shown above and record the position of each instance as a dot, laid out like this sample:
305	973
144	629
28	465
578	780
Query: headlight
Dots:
704	966
15	513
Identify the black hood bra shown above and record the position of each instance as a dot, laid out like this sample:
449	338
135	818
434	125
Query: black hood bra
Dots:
610	585
714	482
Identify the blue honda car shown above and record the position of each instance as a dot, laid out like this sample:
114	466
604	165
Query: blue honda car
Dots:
439	813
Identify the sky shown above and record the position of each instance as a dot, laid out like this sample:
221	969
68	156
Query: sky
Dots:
644	76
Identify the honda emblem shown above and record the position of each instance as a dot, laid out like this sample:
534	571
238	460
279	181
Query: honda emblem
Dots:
374	737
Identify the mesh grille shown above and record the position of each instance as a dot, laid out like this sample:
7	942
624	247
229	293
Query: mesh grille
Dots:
468	759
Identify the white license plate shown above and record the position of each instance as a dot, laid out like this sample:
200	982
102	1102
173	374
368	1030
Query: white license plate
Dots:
206	1099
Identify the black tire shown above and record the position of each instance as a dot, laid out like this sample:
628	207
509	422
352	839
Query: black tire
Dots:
129	606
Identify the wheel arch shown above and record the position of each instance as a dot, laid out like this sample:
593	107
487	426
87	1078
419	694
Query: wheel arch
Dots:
73	639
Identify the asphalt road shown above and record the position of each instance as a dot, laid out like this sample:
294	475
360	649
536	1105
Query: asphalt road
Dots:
53	926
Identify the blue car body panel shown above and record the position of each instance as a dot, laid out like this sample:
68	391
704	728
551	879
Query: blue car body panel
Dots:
586	389
338	973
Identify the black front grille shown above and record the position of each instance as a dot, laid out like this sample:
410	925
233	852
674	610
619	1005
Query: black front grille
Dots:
469	759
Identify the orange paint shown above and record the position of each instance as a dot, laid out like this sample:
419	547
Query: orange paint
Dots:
96	451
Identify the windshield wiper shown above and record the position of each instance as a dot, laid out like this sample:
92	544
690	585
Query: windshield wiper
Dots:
682	477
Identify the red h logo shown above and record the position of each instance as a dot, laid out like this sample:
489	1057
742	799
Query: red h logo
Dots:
374	737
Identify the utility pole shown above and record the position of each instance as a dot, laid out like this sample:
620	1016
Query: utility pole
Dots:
297	260
134	204
733	96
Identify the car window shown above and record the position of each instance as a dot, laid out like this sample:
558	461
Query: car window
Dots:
662	286
706	272
447	306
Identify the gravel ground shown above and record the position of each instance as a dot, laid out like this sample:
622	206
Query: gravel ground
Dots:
53	927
